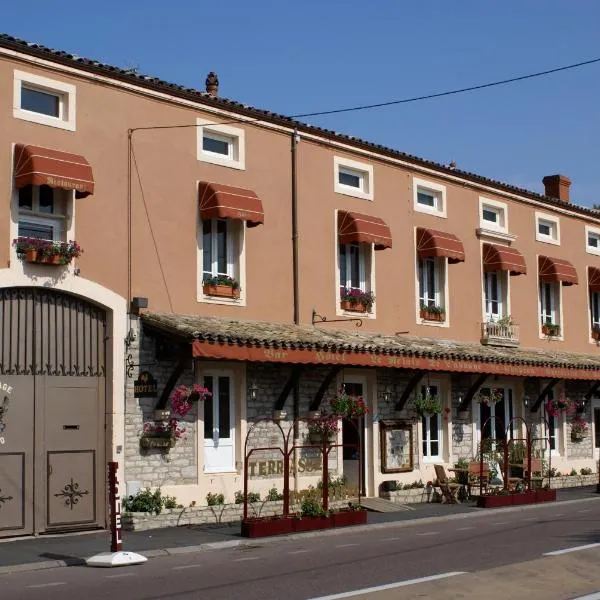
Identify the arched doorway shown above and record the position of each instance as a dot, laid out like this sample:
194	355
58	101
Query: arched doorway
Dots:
52	412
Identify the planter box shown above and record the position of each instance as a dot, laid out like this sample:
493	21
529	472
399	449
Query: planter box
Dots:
345	518
494	501
312	523
429	316
353	306
33	257
222	291
524	498
267	526
550	331
157	441
414	496
542	495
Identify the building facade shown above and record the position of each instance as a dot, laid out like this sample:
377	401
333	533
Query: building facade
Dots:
222	245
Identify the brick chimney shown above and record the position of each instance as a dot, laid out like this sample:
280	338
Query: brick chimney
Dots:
212	84
557	186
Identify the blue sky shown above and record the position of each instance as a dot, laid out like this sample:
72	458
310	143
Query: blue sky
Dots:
297	57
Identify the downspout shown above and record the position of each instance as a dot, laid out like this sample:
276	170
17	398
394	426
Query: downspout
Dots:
296	392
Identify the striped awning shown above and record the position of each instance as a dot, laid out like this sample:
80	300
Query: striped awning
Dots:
219	201
35	165
433	243
594	279
363	229
503	258
557	269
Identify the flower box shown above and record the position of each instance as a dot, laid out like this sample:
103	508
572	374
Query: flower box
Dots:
222	291
596	334
148	441
46	252
312	523
353	306
267	526
542	495
524	498
431	316
551	330
348	517
494	501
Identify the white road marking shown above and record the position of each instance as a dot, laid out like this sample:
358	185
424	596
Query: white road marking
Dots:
346	545
501	523
120	575
390	539
464	528
429	533
298	551
595	596
389	586
43	585
245	559
559	514
586	510
531	519
567	550
185	567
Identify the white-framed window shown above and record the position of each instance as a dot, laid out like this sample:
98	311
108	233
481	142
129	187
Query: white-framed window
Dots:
495	419
221	144
221	243
595	309
353	267
42	212
431	272
592	240
219	421
493	215
429	197
42	100
353	178
431	426
549	303
551	426
495	288
547	228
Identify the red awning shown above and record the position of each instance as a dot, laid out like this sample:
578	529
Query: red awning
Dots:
42	166
557	269
362	229
432	243
219	201
594	279
503	258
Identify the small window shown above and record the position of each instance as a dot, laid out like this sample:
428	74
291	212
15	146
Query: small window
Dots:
352	178
490	215
592	240
493	215
44	101
221	144
429	197
547	228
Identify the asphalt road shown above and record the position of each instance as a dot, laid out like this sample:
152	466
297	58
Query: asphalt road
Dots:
321	565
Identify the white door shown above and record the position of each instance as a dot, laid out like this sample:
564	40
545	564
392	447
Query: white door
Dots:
219	420
353	442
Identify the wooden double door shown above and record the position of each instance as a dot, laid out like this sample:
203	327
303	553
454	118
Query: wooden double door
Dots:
52	412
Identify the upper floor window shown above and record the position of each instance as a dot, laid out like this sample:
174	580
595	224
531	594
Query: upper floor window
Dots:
550	316
353	178
547	228
42	212
495	294
44	101
592	240
355	277
221	144
429	197
432	276
493	215
432	428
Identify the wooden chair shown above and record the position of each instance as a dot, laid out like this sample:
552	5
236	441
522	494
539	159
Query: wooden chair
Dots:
448	489
478	477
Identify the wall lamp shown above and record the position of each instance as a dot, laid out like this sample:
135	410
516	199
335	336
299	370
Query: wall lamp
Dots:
253	390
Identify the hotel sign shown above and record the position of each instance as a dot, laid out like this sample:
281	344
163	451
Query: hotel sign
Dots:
145	386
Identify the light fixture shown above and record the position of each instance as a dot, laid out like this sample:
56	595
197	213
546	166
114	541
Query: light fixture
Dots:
387	393
581	405
253	391
525	400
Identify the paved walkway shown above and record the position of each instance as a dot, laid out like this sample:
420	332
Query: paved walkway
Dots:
71	549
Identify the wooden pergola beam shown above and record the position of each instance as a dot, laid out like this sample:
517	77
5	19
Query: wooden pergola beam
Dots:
472	391
287	388
535	406
408	390
316	403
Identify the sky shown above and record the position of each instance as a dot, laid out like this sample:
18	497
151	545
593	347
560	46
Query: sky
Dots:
311	55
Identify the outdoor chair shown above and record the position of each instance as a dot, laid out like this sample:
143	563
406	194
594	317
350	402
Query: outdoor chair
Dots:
448	489
478	477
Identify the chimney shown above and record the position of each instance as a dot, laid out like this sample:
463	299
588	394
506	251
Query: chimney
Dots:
212	84
557	186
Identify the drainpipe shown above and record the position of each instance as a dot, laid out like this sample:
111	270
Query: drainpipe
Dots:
296	393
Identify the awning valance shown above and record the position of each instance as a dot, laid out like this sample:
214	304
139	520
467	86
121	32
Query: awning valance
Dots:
219	201
557	269
363	229
503	258
35	165
594	279
433	243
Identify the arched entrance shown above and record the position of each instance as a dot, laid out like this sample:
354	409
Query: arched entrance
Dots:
52	412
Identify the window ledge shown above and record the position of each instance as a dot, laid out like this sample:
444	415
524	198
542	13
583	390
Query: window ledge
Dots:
495	234
433	323
547	240
434	212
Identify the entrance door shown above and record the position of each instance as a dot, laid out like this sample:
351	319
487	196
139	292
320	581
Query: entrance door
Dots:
219	455
350	435
596	419
52	406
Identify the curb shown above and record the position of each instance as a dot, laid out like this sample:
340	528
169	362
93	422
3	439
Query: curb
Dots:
158	553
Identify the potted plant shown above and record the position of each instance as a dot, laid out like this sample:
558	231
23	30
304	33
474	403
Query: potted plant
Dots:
312	516
356	300
222	286
345	405
323	428
355	514
560	405
427	404
579	429
545	494
158	435
596	332
432	312
490	396
48	252
550	329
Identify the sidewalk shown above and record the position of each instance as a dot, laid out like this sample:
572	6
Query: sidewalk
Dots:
30	553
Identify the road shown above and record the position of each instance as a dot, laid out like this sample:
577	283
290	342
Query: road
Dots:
493	551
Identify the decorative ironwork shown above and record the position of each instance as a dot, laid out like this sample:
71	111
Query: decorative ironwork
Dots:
4	499
130	365
71	493
3	411
47	332
316	318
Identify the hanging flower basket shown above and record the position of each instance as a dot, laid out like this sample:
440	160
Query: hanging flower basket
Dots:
559	406
491	396
579	429
427	404
346	405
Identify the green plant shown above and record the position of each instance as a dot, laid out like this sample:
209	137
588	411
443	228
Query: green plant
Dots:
147	501
433	309
326	425
427	404
239	498
345	405
415	485
551	329
573	472
215	499
221	280
490	396
273	495
504	321
356	296
311	507
579	426
586	471
517	453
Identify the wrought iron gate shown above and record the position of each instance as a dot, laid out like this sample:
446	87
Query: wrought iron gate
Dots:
52	406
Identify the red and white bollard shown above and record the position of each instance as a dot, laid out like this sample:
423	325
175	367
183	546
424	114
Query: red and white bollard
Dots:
116	557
